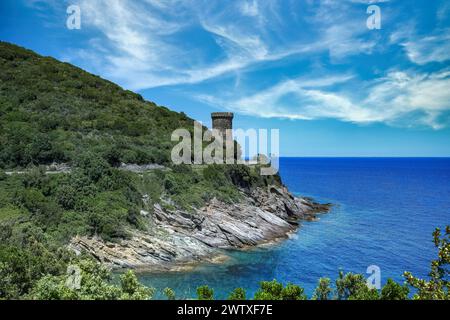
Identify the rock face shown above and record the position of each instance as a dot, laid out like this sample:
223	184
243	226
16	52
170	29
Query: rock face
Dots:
179	238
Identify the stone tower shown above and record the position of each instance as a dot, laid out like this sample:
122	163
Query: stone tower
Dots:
222	121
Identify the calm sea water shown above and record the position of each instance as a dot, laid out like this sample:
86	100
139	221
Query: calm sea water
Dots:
385	211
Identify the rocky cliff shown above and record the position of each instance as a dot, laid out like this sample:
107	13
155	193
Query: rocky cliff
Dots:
179	239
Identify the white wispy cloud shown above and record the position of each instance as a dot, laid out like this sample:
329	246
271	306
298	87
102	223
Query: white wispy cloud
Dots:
341	33
388	99
429	49
141	48
154	43
423	49
141	52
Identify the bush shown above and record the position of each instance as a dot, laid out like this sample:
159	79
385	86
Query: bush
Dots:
353	287
21	267
109	226
237	294
93	166
323	290
3	175
66	196
205	293
216	175
95	284
394	291
438	286
169	293
132	289
273	290
43	209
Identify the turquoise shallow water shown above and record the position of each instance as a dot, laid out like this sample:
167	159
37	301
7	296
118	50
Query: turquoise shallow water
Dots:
385	211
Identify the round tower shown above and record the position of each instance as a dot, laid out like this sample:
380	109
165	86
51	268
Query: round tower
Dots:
222	121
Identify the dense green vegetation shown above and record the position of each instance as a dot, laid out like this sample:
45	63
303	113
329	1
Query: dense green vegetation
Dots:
95	285
52	111
97	199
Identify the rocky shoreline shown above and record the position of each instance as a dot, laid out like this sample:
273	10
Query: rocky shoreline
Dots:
179	240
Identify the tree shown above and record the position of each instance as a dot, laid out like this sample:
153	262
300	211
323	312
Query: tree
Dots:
323	290
269	290
273	290
293	292
394	291
95	284
438	287
21	267
353	287
237	294
132	289
169	293
93	165
205	293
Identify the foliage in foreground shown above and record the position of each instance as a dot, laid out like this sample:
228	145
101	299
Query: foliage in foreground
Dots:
352	286
95	284
38	274
438	287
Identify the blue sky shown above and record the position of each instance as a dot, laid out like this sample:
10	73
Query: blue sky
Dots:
310	68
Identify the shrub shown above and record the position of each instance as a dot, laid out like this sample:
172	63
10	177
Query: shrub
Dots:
93	166
21	267
66	196
438	286
394	291
95	284
169	293
215	174
273	290
205	293
132	289
43	209
323	290
353	287
237	294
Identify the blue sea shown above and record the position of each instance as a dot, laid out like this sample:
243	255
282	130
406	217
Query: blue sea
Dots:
384	213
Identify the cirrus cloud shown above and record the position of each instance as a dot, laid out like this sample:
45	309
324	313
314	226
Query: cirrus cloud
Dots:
388	99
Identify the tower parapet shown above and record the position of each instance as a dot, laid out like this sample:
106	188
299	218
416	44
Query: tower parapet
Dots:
222	121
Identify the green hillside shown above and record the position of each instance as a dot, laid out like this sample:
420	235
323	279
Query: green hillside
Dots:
51	111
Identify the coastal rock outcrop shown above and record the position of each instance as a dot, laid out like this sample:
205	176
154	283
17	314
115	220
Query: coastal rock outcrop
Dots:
178	239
